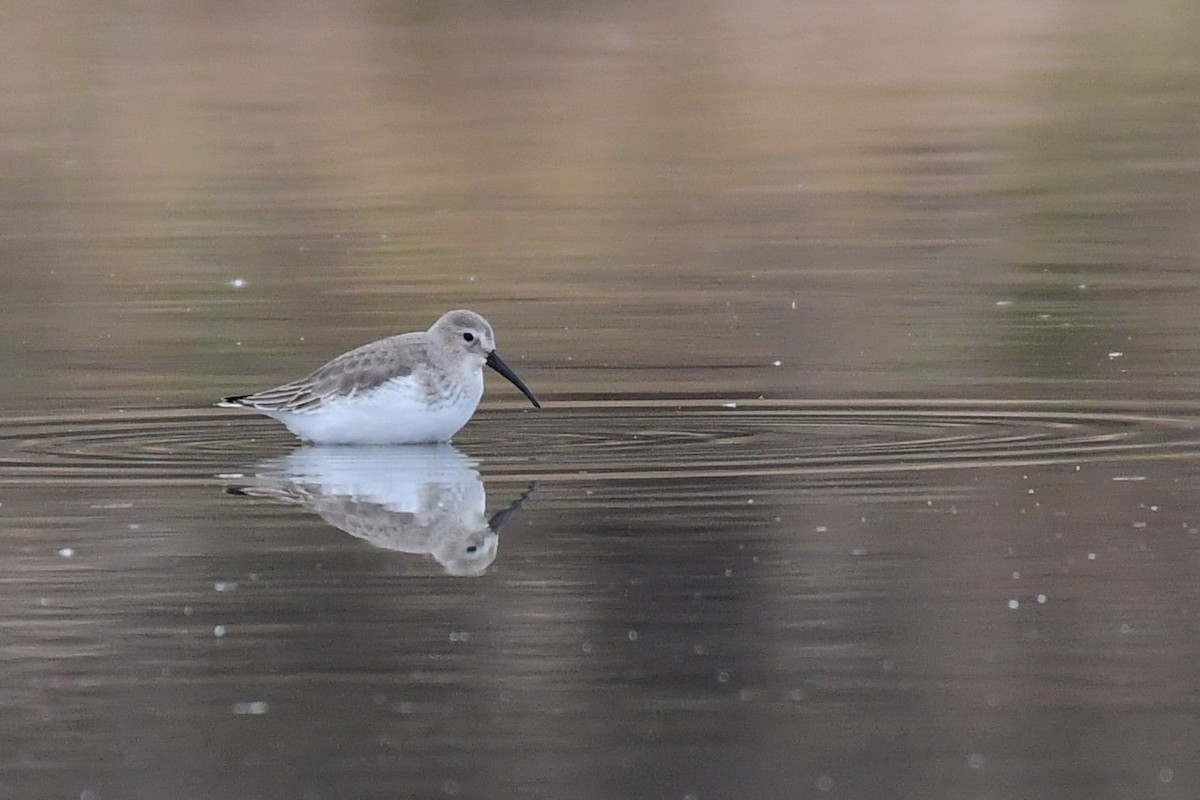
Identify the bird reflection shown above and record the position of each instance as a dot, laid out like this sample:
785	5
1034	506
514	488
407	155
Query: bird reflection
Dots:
424	500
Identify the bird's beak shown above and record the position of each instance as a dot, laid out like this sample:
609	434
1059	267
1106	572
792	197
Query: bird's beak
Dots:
495	362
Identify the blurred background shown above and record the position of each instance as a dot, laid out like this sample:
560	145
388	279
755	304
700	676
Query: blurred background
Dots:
967	197
944	201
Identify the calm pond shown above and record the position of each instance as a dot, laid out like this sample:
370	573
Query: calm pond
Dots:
867	342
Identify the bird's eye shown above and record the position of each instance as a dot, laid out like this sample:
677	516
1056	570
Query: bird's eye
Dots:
468	337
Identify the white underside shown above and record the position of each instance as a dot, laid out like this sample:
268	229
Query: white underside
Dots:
395	413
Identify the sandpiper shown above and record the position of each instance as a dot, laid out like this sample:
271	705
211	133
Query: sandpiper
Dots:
408	389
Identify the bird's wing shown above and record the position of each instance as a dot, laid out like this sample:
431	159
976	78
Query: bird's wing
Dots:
346	376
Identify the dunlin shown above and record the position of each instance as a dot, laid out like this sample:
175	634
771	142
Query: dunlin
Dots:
408	389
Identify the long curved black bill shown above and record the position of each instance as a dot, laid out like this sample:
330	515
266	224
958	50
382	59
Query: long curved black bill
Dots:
497	363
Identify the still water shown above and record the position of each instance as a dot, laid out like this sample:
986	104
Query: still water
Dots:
866	333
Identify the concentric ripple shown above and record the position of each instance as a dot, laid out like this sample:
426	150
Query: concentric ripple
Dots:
590	440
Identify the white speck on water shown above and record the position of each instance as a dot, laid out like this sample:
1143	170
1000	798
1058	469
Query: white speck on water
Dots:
974	761
793	305
821	529
88	794
691	796
729	405
824	783
225	476
1091	556
1139	524
750	501
460	636
251	707
1129	478
1014	604
723	677
777	363
1016	575
238	283
67	552
225	586
1115	354
188	611
632	634
219	631
1004	303
450	787
1126	627
858	551
729	573
1041	598
1166	775
796	695
586	647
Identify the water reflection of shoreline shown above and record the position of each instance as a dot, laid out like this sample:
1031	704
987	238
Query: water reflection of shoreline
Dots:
426	500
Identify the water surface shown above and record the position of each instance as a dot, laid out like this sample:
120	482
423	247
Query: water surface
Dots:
867	341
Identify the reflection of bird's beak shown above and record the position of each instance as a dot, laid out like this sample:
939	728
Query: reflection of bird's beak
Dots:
495	362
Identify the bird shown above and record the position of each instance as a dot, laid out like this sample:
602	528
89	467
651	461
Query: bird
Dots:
412	388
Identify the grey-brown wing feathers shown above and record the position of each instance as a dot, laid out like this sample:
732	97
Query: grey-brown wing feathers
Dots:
350	374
